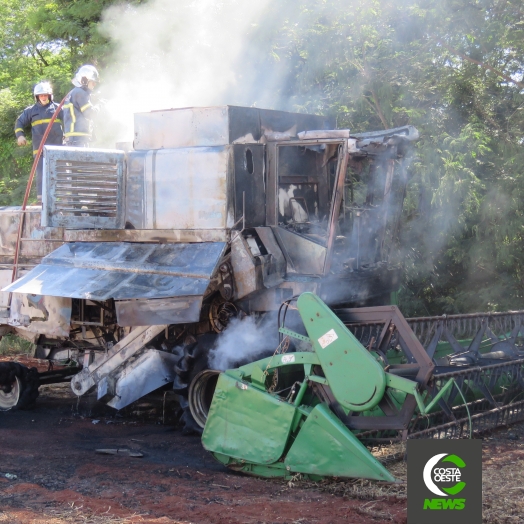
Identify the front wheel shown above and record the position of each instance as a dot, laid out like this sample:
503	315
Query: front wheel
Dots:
18	386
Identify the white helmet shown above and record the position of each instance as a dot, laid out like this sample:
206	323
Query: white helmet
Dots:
43	88
84	75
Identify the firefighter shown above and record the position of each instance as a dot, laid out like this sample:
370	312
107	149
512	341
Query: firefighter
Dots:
78	109
38	117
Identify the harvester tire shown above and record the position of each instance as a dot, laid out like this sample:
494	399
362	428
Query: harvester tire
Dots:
15	376
194	360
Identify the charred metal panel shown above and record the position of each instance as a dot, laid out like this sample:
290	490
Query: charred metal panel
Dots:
151	370
215	126
274	263
187	127
135	190
250	197
244	125
42	315
249	124
157	311
187	188
302	255
281	121
37	241
271	299
157	236
272	185
83	188
257	261
247	279
391	142
99	271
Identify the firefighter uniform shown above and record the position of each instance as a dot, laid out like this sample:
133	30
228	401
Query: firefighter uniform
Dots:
78	112
37	117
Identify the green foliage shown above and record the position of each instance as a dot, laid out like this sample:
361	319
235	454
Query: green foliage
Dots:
15	162
14	345
452	68
73	25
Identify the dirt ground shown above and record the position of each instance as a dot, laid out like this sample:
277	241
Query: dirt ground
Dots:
50	472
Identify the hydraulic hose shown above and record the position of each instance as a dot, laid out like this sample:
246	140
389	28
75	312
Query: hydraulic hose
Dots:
28	190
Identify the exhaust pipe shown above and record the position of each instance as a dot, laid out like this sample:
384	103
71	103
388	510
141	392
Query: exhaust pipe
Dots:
201	392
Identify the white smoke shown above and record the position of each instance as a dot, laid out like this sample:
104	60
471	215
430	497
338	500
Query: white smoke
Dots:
173	54
243	341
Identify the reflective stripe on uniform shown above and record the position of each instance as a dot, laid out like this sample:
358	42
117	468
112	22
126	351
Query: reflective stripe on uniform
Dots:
45	121
19	129
83	108
73	118
77	134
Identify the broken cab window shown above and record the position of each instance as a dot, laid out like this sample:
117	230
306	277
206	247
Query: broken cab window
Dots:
306	178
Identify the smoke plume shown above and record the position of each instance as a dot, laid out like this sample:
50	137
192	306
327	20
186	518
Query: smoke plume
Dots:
243	341
174	54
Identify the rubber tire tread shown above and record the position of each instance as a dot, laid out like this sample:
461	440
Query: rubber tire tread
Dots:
203	346
29	382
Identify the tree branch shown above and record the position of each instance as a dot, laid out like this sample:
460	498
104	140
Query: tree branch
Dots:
376	108
481	64
376	104
41	56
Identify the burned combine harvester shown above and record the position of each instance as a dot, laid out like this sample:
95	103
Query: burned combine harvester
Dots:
140	258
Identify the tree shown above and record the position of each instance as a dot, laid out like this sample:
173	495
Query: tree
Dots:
453	69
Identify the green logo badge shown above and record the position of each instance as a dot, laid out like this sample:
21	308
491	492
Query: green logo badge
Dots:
441	488
434	476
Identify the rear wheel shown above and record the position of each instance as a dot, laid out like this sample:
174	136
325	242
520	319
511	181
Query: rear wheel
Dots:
201	392
18	386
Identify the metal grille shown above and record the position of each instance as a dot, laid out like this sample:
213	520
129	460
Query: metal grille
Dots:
89	188
84	188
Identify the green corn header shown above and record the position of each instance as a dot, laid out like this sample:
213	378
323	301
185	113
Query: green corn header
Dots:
313	412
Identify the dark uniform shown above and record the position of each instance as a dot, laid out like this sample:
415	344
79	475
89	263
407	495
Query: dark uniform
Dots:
38	117
78	112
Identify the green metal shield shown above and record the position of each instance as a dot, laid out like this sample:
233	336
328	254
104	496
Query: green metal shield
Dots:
246	423
357	380
324	446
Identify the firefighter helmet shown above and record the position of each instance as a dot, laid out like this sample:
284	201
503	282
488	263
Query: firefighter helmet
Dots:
85	74
43	88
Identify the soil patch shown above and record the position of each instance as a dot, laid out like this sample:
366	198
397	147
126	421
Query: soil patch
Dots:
51	473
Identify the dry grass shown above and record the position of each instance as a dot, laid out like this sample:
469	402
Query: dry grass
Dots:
76	515
361	489
503	478
503	481
503	501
